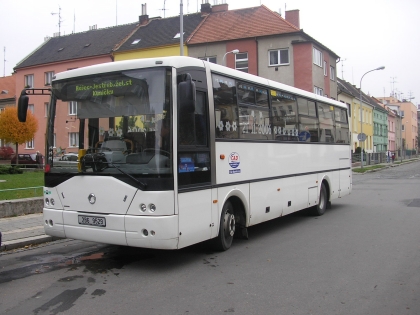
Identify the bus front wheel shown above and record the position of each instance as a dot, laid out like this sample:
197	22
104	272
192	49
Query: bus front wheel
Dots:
226	228
320	208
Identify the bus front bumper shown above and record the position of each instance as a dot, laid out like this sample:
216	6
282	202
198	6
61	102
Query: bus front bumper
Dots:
160	232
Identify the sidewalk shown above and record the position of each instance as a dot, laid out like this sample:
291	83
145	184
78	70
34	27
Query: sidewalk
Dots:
21	231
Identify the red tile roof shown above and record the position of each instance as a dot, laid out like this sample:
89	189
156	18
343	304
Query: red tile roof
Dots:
241	23
7	87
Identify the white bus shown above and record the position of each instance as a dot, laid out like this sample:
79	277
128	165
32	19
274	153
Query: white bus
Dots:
174	151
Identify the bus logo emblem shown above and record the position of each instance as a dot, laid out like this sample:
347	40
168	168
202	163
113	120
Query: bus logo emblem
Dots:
92	199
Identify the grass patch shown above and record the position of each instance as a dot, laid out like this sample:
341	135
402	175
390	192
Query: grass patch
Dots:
367	168
27	179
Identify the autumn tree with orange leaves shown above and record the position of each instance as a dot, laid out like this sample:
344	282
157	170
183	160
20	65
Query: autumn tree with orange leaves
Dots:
12	130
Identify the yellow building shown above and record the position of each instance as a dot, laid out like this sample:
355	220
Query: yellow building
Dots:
361	121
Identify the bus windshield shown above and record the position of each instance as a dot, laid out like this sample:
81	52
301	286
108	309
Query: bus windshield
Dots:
122	121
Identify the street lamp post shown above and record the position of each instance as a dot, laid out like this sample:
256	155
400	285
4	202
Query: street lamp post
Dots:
235	51
361	116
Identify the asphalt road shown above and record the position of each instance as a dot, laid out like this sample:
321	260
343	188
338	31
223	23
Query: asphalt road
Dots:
361	257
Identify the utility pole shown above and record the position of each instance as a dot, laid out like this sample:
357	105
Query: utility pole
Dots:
4	62
181	28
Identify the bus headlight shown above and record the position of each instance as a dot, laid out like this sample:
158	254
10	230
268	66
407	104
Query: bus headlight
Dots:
143	207
52	202
152	207
47	201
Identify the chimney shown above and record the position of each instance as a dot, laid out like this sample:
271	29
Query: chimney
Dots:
205	8
292	17
144	18
220	8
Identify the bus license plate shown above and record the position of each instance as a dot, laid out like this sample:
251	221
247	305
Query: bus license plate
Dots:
96	221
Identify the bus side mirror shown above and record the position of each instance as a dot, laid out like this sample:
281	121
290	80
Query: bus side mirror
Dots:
23	106
186	95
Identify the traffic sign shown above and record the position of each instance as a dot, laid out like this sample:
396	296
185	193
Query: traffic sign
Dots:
361	137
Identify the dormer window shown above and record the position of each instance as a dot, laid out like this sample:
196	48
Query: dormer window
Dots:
178	35
136	41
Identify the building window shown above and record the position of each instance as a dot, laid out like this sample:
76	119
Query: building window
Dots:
29	81
241	62
73	139
325	68
278	57
209	59
318	91
48	77
46	106
31	108
317	57
72	108
30	144
332	73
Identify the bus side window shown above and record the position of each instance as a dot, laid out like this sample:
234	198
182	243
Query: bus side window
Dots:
326	123
308	121
284	113
225	108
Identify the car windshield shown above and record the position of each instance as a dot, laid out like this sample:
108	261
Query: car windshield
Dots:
120	121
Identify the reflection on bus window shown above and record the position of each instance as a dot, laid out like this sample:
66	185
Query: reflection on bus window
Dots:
284	112
226	110
326	123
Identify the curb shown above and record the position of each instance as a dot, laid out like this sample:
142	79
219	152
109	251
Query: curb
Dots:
33	240
385	167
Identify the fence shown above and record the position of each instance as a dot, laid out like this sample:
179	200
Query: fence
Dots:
18	193
377	158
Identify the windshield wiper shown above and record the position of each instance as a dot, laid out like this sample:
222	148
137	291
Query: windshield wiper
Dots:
98	162
143	186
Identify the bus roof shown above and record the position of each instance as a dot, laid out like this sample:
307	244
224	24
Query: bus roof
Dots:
183	61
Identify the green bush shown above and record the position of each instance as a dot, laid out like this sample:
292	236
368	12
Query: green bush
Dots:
10	170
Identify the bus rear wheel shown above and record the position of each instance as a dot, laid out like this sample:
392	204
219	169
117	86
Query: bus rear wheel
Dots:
320	208
226	228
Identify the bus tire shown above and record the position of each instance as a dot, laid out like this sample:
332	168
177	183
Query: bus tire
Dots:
226	228
320	208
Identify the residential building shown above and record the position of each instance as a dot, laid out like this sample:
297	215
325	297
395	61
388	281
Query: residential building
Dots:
409	124
269	46
383	128
157	37
362	114
59	54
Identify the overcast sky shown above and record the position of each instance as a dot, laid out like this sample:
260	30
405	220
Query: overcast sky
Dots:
366	34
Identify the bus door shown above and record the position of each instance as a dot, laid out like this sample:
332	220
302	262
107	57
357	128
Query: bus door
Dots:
194	168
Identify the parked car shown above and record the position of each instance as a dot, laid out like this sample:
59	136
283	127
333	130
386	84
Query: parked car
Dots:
68	159
29	160
6	153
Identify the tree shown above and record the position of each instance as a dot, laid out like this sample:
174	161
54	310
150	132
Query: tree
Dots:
12	130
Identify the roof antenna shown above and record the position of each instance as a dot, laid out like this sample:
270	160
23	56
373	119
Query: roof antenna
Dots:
59	19
164	8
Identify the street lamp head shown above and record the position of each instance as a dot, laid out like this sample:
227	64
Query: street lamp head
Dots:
235	51
380	68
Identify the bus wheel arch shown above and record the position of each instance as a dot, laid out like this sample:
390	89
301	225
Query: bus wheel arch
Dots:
323	201
232	224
